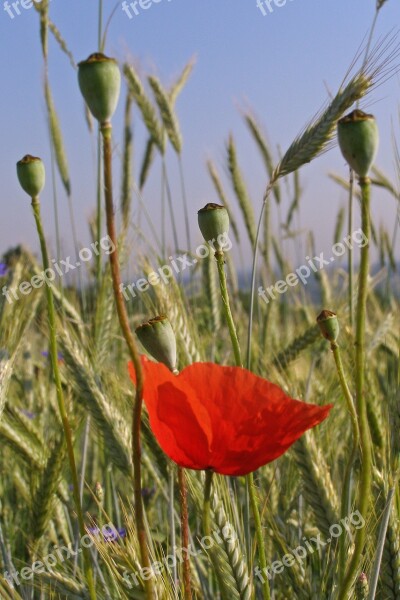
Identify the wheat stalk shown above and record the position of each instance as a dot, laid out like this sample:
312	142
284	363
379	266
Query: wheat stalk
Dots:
145	107
57	140
212	170
167	114
317	485
241	192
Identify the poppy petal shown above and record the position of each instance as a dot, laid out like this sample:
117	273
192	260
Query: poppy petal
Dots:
173	420
253	420
270	446
223	418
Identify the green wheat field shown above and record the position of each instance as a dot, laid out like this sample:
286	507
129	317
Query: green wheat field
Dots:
179	479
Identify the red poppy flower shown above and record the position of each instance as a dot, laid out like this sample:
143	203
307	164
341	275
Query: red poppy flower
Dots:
222	418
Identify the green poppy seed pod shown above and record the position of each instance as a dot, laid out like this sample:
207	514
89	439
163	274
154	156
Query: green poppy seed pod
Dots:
214	225
158	339
358	137
100	83
329	325
31	175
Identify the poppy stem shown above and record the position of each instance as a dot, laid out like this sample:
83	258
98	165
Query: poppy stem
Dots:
174	568
207	528
219	256
351	258
185	533
365	439
345	500
106	131
207	503
259	534
60	400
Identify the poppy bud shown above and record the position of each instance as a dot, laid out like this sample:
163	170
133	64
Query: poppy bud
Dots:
158	339
31	175
214	223
329	325
358	140
100	83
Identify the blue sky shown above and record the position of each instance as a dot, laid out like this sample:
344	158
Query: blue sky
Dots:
280	65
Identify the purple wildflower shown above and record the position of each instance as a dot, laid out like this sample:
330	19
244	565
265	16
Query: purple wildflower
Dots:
47	354
28	414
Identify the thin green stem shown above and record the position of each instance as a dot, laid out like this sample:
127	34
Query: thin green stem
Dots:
126	192
98	210
82	476
364	493
267	239
351	179
60	399
76	248
106	130
185	533
170	206
187	584
346	492
207	528
185	203
254	271
259	534
100	27
246	524
99	182
163	243
55	206
56	220
172	523
380	545
219	255
250	487
350	233
207	503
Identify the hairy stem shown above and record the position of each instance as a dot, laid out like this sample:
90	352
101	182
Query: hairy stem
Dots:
380	545
60	400
345	500
207	503
106	131
170	205
259	534
185	533
350	262
249	479
364	495
185	203
254	270
171	510
219	255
